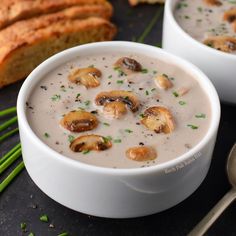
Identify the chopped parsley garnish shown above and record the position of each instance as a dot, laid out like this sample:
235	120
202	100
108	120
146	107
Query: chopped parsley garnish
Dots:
86	152
106	124
119	81
181	5
56	97
71	138
110	76
175	94
141	115
120	72
153	89
44	218
117	140
128	131
144	71
182	103
78	95
201	115
192	126
146	92
46	135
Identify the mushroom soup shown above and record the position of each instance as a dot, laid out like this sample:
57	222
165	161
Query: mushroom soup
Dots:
119	111
212	22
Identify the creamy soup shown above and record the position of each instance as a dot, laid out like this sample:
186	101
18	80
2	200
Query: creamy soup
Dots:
212	22
119	111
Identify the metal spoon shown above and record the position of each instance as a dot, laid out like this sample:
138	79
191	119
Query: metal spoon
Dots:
228	198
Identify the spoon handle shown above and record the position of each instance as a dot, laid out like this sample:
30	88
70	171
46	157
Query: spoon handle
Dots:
214	213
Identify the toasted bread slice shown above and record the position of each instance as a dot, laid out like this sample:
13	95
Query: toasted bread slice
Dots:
136	2
15	10
26	44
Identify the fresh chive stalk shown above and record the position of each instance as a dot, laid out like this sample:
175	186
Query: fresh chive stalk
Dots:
10	160
5	157
150	25
11	176
8	134
63	234
8	111
8	123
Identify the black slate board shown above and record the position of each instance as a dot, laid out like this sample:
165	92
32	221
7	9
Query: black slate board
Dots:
18	200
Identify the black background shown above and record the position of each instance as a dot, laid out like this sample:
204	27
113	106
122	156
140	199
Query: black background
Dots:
17	201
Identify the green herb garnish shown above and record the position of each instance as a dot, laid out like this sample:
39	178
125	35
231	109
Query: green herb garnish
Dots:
192	126
23	226
86	152
31	234
110	76
106	124
71	138
56	97
144	71
119	81
175	94
128	131
78	95
146	92
63	234
117	140
87	103
182	103
201	115
46	135
44	218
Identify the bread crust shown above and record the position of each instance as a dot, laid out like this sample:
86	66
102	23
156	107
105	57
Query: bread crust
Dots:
15	10
28	43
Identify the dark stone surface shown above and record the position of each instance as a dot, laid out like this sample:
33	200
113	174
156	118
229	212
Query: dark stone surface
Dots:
17	202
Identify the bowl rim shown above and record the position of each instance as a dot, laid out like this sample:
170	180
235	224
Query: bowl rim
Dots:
27	88
169	12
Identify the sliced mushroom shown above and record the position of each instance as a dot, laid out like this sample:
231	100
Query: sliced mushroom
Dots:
79	121
128	65
213	2
118	95
144	153
163	82
89	77
230	15
158	119
222	43
114	109
89	143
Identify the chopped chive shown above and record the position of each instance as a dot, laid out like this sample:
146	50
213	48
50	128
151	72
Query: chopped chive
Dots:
11	176
192	126
78	95
8	134
175	94
91	66
110	76
106	124
182	103
154	72
8	123
108	138
63	234
63	88
10	160
44	218
128	131
147	93
144	71
201	115
56	97
87	103
8	111
105	139
10	153
31	234
119	81
153	89
86	152
165	75
117	140
71	138
46	135
141	115
23	226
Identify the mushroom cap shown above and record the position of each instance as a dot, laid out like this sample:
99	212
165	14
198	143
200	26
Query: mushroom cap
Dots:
79	121
158	119
230	15
213	2
90	142
128	65
163	82
114	109
126	97
86	76
144	153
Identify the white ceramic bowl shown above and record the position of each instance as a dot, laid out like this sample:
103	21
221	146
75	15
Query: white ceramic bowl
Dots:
107	192
219	66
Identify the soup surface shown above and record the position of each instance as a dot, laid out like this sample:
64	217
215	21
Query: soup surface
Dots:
151	111
212	22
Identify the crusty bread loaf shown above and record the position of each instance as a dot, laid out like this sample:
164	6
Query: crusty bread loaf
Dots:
15	10
135	2
26	44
